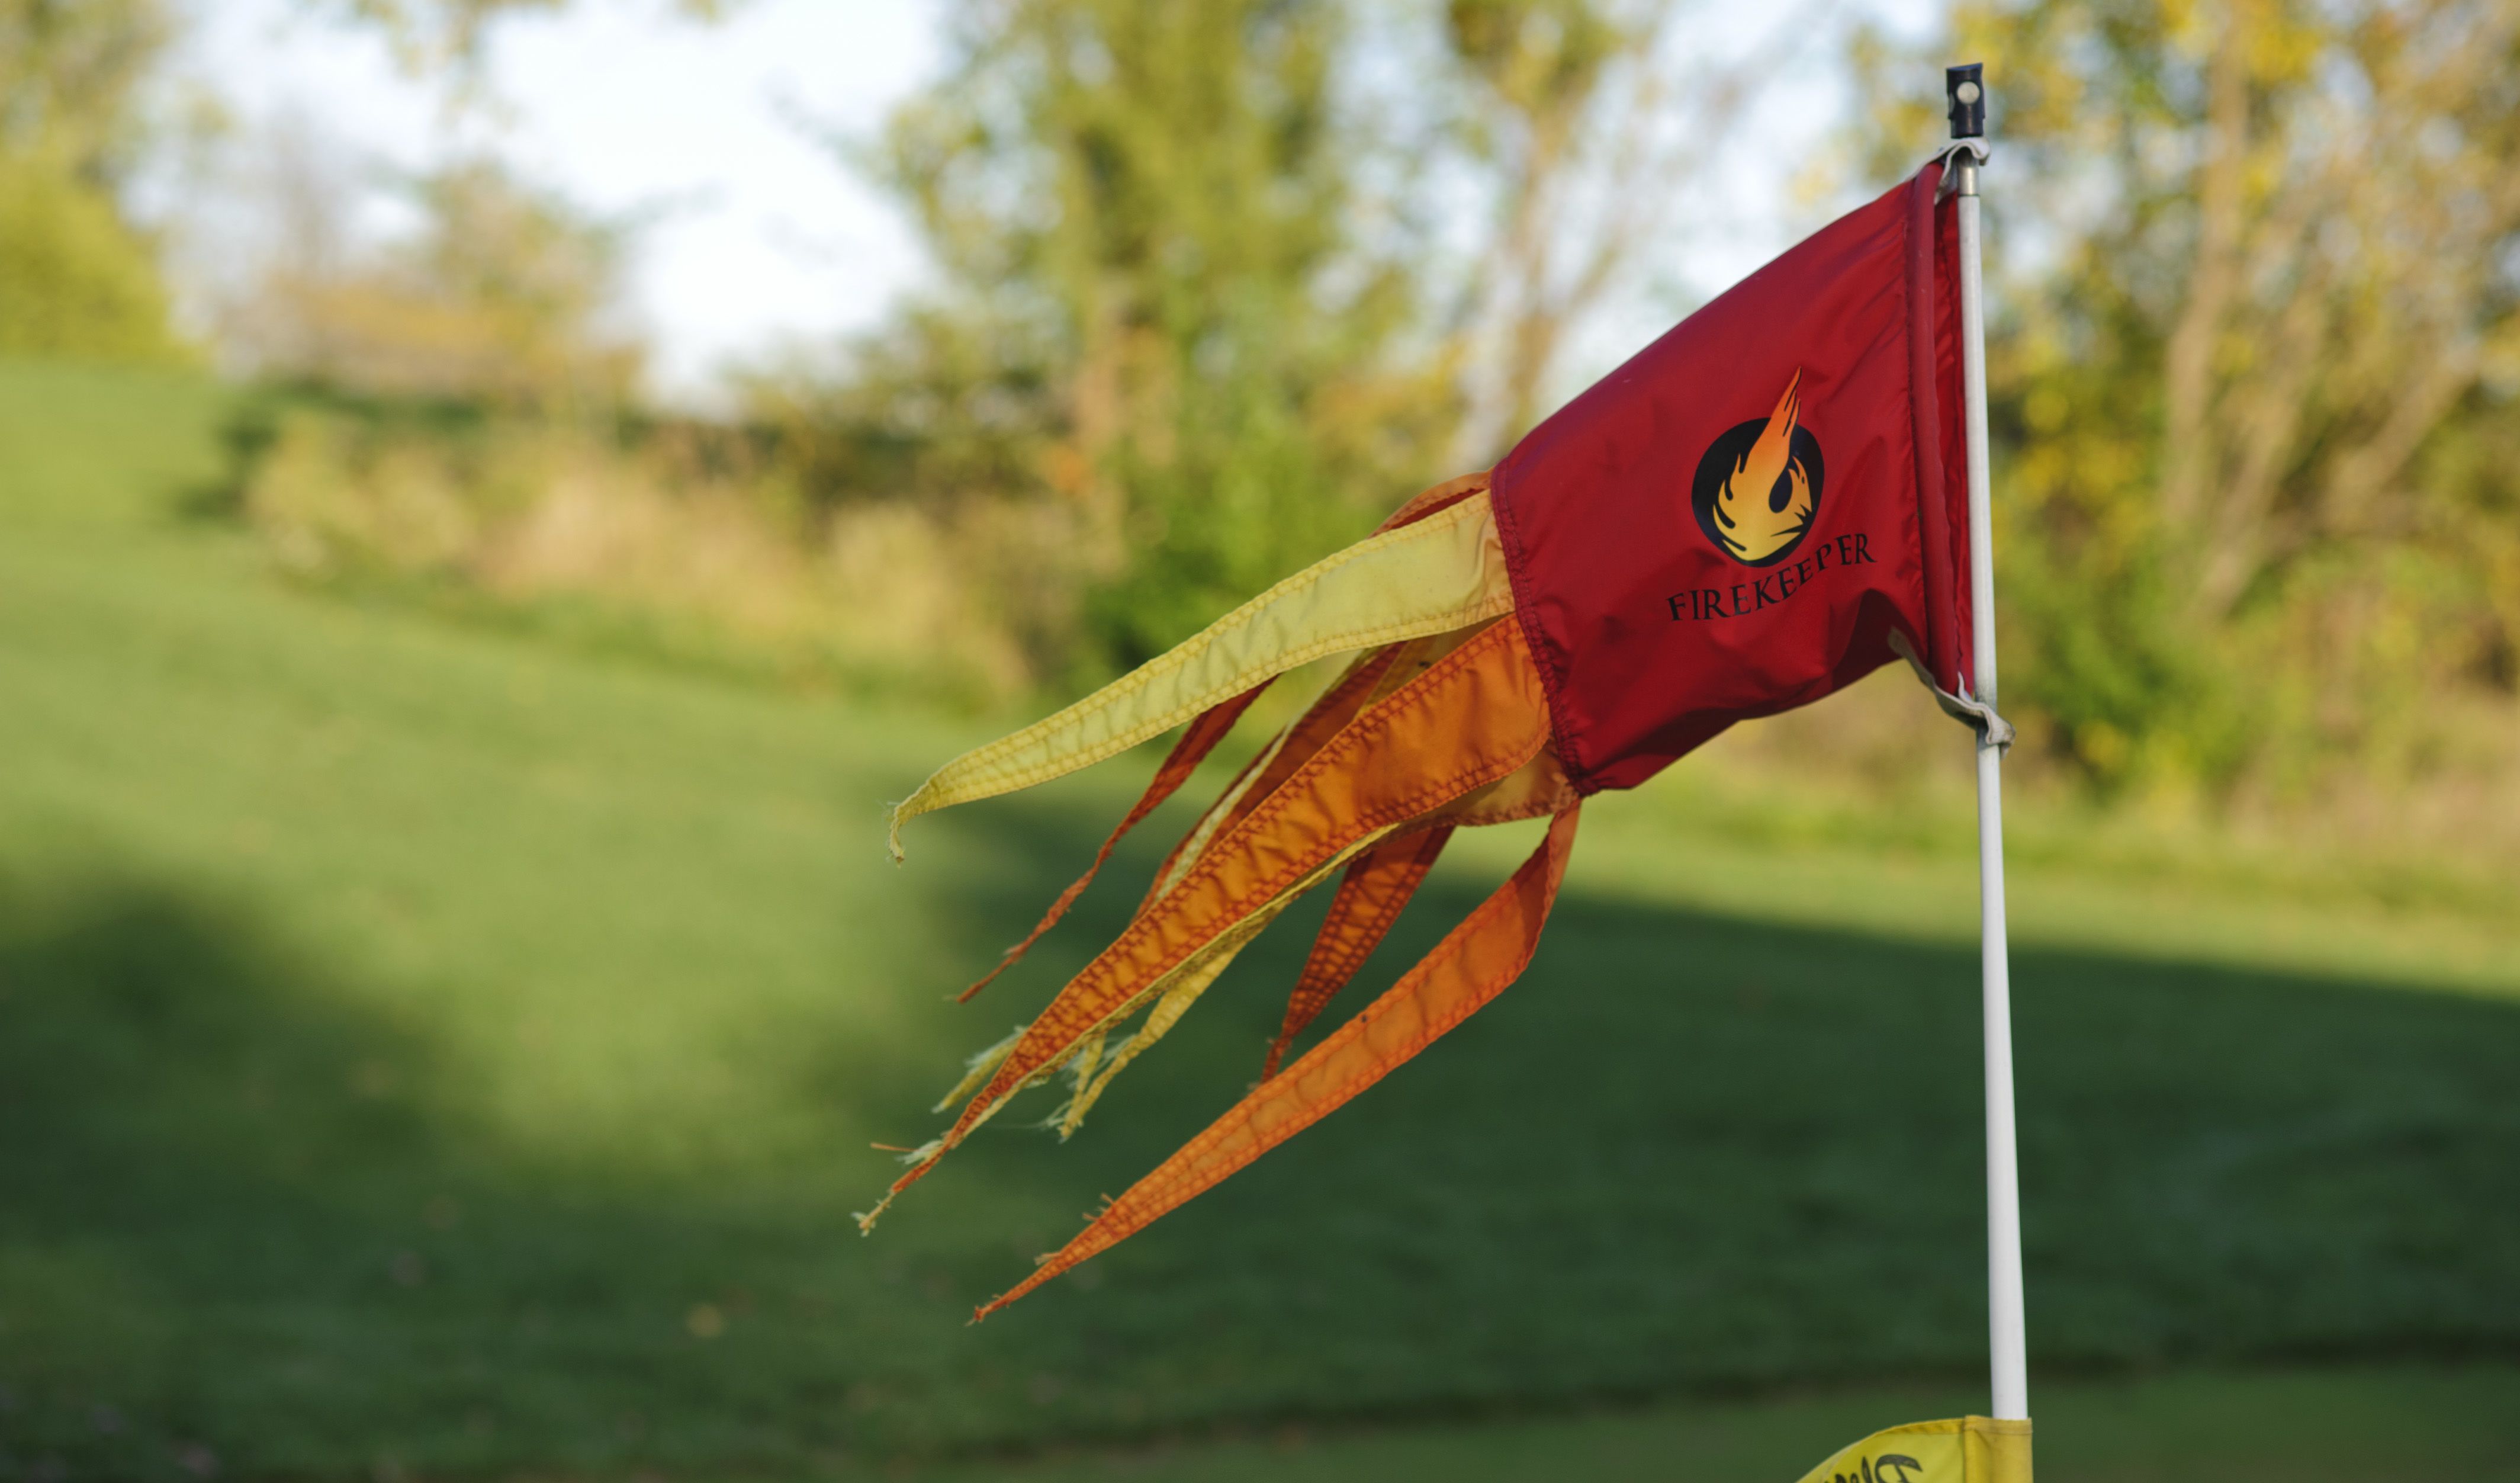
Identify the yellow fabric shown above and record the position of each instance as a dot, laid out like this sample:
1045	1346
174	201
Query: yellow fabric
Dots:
1442	572
1963	1449
1175	993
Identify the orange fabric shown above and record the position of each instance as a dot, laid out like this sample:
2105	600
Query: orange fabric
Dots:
1476	717
1375	680
1539	789
1376	888
1196	742
1466	969
1320	722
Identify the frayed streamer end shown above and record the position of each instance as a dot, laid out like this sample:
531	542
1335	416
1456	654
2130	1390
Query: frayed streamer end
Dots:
1003	1298
924	1154
978	1068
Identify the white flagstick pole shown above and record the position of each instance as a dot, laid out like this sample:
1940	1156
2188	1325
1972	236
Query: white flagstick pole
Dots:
2009	1344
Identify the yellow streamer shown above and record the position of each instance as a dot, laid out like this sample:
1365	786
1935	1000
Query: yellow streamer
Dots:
1442	572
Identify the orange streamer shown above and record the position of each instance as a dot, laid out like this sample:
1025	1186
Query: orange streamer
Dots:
1375	678
1376	888
1343	700
1427	502
1320	722
1476	717
1540	789
1188	753
1469	968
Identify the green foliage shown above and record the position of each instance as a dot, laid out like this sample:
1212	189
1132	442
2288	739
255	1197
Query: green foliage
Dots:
1162	318
507	295
2259	333
1223	284
668	539
75	279
435	1052
72	77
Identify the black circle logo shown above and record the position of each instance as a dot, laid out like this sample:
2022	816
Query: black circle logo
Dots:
1758	485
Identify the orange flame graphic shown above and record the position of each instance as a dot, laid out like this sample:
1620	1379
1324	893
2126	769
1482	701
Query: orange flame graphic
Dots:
1758	518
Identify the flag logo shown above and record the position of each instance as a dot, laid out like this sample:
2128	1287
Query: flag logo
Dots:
1758	485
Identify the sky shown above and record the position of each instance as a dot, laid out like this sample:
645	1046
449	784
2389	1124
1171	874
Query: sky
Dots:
755	237
754	234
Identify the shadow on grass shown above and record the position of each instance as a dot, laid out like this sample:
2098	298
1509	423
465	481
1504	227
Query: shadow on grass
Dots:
251	1222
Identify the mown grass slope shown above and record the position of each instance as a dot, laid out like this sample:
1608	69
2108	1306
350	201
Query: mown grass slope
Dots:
427	1050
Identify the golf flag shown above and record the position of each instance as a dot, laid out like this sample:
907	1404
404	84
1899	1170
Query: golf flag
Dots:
1967	1450
1760	508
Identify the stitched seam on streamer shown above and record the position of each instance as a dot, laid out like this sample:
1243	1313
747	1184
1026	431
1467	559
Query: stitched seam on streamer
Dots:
1147	674
1214	1136
1295	658
1396	893
1351	696
1096	1238
1397	811
1192	749
1000	1088
1167	979
1359	943
1449	786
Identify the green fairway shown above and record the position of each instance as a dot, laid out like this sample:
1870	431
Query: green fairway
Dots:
431	1049
2413	1424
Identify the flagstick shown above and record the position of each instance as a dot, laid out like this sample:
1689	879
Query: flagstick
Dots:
2008	1341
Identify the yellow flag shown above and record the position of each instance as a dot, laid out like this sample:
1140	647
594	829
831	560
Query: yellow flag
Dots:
1966	1450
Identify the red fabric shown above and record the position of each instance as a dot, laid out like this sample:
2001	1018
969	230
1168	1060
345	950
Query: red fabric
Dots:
1652	633
1941	302
1945	579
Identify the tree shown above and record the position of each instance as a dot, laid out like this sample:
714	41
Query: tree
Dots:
1209	285
505	294
71	78
1584	128
2251	381
1144	217
75	278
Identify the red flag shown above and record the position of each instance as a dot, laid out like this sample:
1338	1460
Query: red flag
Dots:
1738	520
1753	512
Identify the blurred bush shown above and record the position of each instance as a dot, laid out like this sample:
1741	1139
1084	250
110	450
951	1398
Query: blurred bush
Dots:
456	413
1215	285
1219	287
505	294
76	277
75	281
1203	315
682	539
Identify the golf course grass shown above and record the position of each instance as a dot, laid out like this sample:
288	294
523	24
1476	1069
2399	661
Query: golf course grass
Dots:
428	1049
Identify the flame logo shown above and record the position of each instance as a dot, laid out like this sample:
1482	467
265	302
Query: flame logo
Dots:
1758	485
